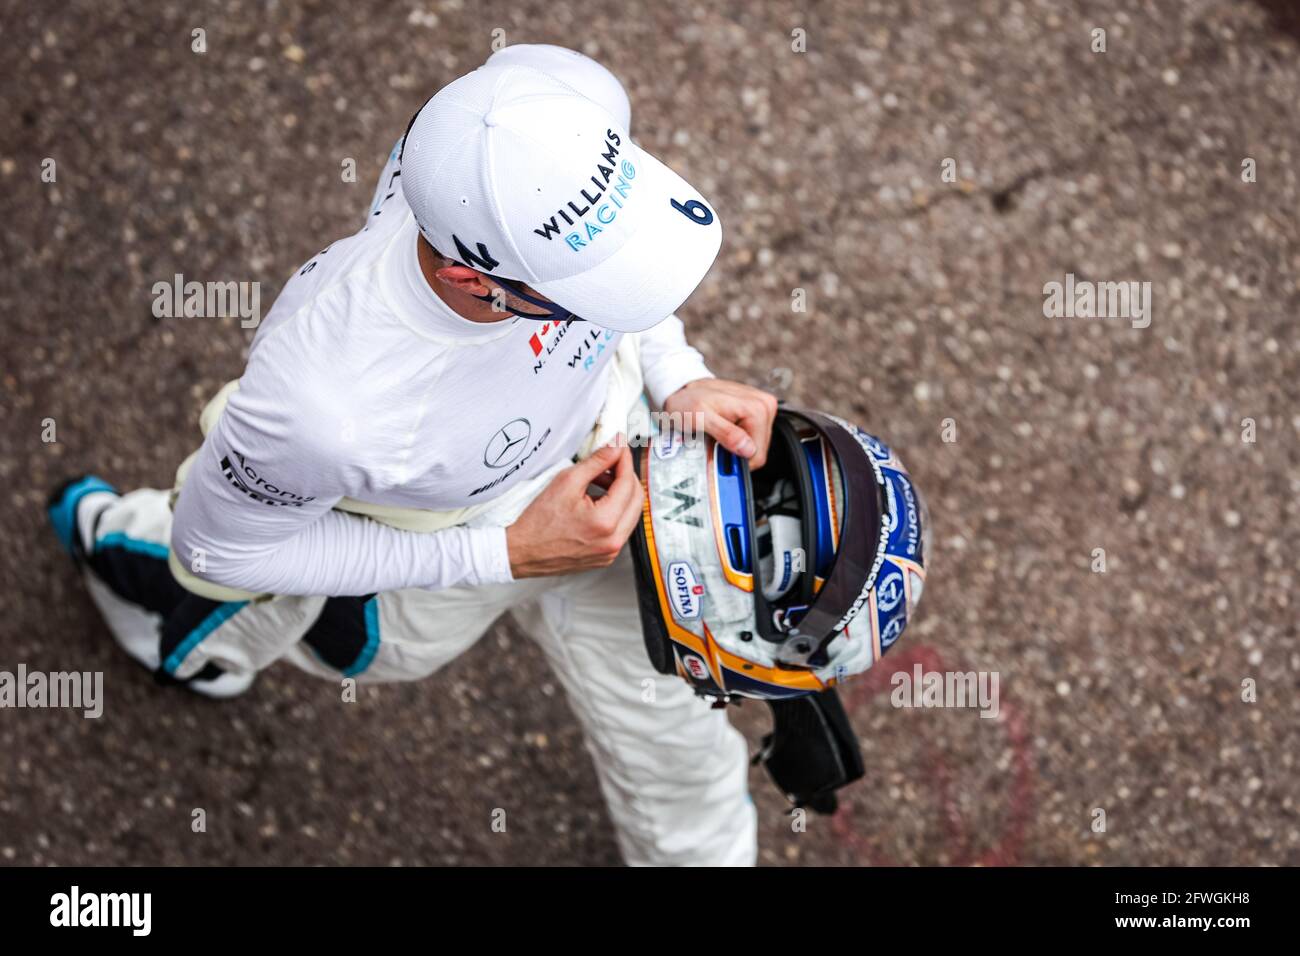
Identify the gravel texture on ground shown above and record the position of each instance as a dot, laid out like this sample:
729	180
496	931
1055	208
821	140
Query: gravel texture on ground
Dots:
1174	447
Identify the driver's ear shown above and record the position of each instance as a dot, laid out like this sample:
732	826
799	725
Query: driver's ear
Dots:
464	279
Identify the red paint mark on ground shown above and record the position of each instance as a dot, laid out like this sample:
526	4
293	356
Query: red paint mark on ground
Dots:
959	836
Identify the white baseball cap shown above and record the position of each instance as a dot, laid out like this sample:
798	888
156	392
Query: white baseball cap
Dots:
579	71
517	174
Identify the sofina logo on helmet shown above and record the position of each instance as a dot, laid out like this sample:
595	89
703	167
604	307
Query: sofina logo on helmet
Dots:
684	590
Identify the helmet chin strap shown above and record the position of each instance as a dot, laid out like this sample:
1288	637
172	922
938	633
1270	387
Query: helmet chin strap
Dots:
554	311
812	750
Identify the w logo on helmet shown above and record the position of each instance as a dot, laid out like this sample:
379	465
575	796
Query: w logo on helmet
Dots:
683	491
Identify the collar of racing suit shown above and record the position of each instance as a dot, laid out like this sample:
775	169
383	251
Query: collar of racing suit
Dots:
419	306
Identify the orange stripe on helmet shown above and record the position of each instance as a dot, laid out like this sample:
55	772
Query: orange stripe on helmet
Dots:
676	632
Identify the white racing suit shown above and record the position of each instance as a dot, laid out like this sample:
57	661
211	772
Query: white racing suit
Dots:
672	769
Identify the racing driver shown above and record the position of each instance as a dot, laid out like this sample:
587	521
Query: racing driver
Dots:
420	442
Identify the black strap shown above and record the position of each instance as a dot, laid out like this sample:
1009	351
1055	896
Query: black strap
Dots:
812	750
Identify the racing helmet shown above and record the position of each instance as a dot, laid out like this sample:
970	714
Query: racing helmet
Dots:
777	583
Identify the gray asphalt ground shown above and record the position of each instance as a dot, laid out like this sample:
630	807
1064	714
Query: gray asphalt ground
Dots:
1121	691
